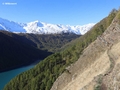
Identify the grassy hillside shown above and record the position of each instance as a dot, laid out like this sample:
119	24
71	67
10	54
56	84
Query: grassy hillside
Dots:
43	75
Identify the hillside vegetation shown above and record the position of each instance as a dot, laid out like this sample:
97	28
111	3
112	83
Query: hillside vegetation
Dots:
50	42
44	74
22	49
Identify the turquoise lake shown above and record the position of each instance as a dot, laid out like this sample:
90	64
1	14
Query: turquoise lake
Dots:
5	77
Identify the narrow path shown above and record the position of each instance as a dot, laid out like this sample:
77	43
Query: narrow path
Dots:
111	58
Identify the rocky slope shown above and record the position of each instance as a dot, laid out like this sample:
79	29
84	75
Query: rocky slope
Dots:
98	66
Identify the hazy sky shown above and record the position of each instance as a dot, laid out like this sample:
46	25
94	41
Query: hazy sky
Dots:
72	12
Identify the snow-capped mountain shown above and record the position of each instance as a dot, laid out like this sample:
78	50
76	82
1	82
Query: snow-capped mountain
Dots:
11	26
37	27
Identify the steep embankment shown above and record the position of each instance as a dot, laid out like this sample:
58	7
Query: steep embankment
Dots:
96	67
112	79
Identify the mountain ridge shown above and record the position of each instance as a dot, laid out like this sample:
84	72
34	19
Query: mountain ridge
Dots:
38	27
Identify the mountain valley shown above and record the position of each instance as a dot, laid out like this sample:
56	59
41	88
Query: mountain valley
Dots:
73	58
22	49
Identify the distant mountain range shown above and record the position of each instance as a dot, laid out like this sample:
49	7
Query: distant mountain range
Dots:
43	28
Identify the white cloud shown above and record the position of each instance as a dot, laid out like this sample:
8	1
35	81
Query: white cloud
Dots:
9	3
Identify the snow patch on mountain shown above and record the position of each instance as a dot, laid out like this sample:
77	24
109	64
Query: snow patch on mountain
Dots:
2	27
37	27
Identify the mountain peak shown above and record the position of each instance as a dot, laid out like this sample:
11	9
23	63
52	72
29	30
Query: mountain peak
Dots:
36	21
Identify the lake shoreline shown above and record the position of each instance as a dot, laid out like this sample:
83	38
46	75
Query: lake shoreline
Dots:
20	66
5	77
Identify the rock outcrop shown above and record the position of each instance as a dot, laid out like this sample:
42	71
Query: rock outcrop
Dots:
98	66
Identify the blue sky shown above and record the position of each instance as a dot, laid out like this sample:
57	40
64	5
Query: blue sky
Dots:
67	12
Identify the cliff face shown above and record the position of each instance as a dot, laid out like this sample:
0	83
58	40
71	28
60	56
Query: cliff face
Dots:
98	66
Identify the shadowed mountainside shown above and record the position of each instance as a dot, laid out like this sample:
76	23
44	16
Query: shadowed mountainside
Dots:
15	53
50	42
